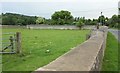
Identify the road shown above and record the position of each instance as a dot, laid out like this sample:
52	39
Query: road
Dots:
116	33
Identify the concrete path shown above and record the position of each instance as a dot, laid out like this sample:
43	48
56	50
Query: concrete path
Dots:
85	57
116	33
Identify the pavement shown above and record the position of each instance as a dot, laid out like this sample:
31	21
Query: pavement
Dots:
116	33
84	57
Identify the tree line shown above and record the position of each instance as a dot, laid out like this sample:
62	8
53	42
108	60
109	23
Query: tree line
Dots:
59	18
17	19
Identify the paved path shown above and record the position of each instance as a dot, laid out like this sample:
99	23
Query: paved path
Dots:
116	33
85	57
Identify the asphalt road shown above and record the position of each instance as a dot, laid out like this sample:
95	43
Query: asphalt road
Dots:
116	33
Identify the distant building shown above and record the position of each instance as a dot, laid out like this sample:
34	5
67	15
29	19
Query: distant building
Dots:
119	8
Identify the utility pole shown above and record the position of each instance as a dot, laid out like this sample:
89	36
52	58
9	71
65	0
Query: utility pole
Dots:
119	8
101	19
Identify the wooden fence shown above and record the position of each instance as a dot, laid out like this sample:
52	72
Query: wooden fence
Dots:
11	43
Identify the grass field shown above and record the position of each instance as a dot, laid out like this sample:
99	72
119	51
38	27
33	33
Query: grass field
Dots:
110	61
34	46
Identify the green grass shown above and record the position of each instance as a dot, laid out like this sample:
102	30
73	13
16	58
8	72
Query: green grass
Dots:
110	61
34	46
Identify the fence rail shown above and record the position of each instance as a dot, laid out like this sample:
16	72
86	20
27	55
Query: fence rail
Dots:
13	43
8	33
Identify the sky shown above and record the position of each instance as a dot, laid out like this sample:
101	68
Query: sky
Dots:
45	8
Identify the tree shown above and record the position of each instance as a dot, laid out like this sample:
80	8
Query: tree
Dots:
62	17
114	19
102	19
80	23
40	20
17	19
118	21
88	22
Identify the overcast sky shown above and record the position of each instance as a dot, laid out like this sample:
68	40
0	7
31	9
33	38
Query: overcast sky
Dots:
45	8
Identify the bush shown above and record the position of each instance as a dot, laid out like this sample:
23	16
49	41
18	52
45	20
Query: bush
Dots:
80	24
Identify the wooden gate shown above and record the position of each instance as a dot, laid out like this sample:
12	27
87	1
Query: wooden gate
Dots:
11	43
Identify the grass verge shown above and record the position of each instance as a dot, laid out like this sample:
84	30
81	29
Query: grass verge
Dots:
110	60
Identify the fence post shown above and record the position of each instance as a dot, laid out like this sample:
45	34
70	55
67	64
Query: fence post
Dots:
18	42
11	43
